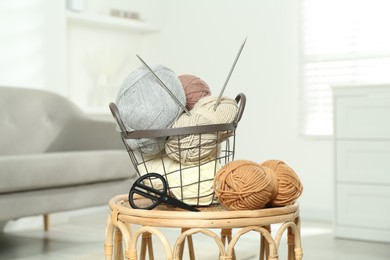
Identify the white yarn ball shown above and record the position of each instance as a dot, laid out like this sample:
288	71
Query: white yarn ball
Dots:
193	181
144	104
157	164
196	182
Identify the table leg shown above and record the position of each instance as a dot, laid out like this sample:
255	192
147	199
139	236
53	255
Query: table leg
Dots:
181	250
150	248
108	243
146	243
190	246
264	245
118	249
290	244
226	237
298	243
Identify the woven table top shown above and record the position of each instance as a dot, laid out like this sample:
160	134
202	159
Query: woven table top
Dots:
213	216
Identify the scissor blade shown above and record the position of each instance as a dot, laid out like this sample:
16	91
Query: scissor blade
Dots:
230	73
180	204
146	194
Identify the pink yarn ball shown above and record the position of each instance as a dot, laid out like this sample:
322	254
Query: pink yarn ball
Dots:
194	89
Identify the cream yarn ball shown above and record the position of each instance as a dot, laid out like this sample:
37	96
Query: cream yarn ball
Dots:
199	148
194	185
193	148
144	104
157	164
225	112
191	183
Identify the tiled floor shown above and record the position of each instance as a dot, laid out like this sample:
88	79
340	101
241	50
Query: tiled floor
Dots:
82	238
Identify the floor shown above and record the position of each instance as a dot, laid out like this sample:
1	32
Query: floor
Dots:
82	238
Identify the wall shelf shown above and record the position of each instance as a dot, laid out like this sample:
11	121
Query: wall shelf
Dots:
110	22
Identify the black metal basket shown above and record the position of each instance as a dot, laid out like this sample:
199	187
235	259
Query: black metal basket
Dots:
190	182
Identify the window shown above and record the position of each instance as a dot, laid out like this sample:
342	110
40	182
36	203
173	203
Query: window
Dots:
344	42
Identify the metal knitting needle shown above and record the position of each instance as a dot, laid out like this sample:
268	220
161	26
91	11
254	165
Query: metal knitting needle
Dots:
164	86
230	73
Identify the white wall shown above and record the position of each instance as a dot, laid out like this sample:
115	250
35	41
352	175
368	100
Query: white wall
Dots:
32	44
203	37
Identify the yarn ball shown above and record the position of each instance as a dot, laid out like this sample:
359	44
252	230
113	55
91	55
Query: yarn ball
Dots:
194	148
157	164
144	104
190	183
225	112
194	89
193	183
199	148
290	186
244	185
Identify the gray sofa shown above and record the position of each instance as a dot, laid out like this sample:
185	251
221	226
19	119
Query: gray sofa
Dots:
54	158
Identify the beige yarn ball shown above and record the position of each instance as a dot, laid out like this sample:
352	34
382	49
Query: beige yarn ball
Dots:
200	148
192	148
225	112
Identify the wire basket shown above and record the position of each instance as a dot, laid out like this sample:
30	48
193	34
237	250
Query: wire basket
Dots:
189	178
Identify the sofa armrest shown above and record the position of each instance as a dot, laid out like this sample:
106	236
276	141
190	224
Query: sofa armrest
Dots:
88	133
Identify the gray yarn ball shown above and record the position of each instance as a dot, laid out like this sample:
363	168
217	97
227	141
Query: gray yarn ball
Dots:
144	104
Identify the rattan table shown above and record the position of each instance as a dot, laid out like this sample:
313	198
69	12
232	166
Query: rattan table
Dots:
121	240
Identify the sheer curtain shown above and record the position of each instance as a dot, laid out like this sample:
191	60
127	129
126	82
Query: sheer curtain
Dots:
344	42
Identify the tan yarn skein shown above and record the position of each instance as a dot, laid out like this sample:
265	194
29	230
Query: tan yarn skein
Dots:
290	186
244	185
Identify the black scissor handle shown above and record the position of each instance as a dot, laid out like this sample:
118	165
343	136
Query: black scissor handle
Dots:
150	177
157	196
150	192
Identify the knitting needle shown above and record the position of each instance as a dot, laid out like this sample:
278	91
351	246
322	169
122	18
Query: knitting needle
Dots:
230	73
164	86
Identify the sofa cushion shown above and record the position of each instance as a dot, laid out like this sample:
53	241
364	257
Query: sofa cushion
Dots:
40	171
31	119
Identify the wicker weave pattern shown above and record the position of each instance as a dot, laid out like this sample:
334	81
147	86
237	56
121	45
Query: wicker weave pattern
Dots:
205	223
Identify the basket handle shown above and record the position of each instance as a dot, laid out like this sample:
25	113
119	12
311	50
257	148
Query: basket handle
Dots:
241	100
116	115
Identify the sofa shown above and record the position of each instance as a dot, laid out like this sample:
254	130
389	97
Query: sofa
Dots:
54	157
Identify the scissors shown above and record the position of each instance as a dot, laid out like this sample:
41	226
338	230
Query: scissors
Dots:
156	195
